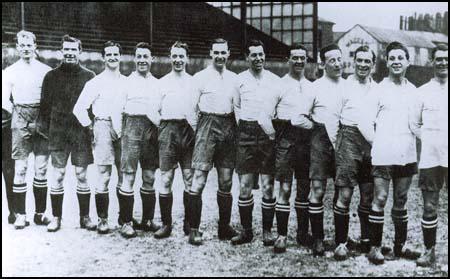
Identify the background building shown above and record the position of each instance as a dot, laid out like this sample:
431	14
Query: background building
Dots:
431	23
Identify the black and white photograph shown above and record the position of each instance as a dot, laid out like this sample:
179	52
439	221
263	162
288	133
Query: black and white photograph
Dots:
224	139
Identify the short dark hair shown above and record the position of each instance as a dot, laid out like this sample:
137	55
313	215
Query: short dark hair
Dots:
111	44
439	47
366	49
327	49
297	46
218	41
143	45
396	45
67	38
180	44
253	43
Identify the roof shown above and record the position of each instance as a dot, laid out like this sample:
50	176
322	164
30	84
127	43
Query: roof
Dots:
337	35
420	39
322	20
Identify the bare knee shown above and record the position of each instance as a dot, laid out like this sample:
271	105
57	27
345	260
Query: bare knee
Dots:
285	192
380	200
148	179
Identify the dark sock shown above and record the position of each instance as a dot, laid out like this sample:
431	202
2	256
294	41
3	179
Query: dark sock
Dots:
246	212
187	212
127	199
301	208
118	200
165	205
56	197
195	206
376	221
429	228
102	204
148	204
20	194
268	212
316	218
282	213
40	195
84	198
341	223
363	213
224	202
400	220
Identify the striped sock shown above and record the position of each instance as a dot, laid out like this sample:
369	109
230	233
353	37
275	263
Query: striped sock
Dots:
341	224
282	213
429	228
246	212
315	211
148	204
20	194
84	198
225	203
195	207
56	197
268	212
363	213
126	209
301	208
400	219
376	221
40	194
165	205
102	204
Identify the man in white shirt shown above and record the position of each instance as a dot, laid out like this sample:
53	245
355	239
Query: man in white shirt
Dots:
140	136
215	144
432	124
292	151
321	106
103	93
176	134
255	148
394	155
21	96
353	161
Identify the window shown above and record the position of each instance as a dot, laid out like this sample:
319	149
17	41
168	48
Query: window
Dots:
287	23
287	9
298	23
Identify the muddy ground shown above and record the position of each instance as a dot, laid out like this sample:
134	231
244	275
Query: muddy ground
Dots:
76	252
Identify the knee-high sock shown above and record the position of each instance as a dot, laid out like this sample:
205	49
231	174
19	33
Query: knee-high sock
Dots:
165	205
127	199
282	212
40	194
246	212
224	202
56	196
195	206
363	213
376	221
429	228
20	194
268	212
400	219
148	204
341	223
102	204
316	218
301	208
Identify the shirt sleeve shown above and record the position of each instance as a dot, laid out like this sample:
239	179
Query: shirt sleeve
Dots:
196	93
6	92
153	111
415	115
86	99
333	125
305	106
237	100
117	114
46	105
367	124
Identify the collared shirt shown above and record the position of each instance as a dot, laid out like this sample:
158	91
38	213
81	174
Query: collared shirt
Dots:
394	143
289	99
175	97
321	104
23	82
140	96
257	98
215	92
431	124
103	93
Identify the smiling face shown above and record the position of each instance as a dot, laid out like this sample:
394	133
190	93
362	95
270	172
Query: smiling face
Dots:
440	64
143	60
219	54
112	57
333	63
397	62
178	56
26	46
71	52
297	61
363	64
256	58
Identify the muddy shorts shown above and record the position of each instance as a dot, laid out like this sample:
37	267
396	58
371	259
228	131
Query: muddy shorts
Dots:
25	138
107	147
433	179
215	142
353	160
139	144
322	154
255	151
394	171
176	144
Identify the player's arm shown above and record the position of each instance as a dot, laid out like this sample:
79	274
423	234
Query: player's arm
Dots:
154	107
46	104
86	99
7	104
237	100
415	116
333	125
305	105
268	114
373	109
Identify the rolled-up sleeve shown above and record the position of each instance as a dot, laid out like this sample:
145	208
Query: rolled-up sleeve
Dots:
87	97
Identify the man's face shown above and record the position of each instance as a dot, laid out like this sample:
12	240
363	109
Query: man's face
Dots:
112	57
219	54
297	60
397	62
178	56
333	63
26	47
440	63
363	63
71	52
143	60
256	58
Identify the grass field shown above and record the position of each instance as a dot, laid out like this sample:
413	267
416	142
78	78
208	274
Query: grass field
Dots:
76	252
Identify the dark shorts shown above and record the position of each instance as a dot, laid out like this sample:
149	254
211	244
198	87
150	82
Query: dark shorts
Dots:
139	144
25	138
322	154
353	160
433	179
255	151
215	142
394	171
176	144
292	151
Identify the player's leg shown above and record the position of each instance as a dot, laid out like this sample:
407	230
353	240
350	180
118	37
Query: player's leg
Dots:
282	211
84	197
341	221
268	208
40	188
366	192
195	204
148	198
8	170
225	203
165	203
315	211
246	205
102	197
